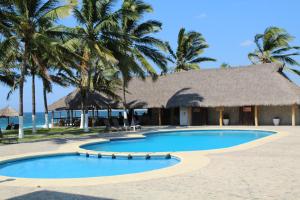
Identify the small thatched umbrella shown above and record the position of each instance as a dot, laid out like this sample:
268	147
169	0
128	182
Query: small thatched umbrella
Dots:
8	112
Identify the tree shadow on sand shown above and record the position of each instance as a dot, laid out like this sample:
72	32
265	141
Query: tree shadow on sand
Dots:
52	195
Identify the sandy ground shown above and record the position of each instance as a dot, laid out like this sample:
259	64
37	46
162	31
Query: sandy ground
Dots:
270	171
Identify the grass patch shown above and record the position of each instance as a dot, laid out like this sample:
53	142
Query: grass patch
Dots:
53	133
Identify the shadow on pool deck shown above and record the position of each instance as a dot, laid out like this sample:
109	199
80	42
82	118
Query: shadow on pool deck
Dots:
51	195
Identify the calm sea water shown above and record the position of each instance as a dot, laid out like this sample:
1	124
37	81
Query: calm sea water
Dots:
40	119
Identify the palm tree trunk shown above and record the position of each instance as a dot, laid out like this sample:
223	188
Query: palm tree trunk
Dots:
124	103
33	104
21	91
45	106
21	117
86	88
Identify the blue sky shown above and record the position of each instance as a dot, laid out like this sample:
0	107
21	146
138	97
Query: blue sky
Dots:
228	26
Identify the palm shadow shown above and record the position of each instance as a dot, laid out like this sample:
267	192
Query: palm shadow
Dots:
53	195
185	98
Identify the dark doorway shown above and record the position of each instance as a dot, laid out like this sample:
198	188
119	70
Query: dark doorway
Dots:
170	116
247	115
199	116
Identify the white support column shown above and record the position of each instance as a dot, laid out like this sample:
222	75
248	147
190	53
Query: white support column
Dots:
81	119
52	120
46	121
86	126
21	130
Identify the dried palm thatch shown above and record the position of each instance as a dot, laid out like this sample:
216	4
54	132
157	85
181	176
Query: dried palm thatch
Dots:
240	86
8	112
73	101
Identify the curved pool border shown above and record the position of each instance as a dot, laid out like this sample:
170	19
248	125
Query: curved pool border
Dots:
145	135
189	160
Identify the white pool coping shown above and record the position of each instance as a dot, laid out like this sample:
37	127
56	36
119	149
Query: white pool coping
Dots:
189	160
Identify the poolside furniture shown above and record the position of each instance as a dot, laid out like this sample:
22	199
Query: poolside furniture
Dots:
117	125
8	127
16	126
7	140
108	127
135	126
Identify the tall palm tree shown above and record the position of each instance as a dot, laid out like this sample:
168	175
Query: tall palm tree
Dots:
25	17
96	22
138	45
190	46
274	46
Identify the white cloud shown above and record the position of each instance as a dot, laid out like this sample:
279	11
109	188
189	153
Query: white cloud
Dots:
201	16
247	43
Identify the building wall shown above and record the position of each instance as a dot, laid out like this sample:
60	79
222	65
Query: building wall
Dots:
267	113
232	112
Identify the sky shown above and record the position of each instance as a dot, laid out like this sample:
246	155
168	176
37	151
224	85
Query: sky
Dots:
229	27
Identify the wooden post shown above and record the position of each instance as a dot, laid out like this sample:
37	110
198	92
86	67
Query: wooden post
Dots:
256	115
159	116
294	115
221	117
190	110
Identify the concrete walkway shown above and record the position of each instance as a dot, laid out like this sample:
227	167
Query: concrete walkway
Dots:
270	171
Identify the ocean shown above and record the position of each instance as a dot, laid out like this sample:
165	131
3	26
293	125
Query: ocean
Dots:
40	119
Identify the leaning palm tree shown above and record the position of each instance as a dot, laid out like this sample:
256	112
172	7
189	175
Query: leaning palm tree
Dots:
137	45
24	19
190	46
96	22
274	46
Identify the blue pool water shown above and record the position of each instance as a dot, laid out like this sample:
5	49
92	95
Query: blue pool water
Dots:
181	141
80	166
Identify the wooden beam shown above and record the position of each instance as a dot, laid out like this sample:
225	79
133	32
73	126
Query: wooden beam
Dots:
159	116
256	116
221	117
294	115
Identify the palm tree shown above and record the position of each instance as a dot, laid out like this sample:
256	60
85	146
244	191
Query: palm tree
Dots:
274	46
96	22
190	45
137	47
24	18
225	65
7	77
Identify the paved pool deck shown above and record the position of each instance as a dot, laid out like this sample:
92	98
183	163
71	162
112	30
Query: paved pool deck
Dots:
266	171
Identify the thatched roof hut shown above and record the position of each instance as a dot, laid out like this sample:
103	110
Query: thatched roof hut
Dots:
239	86
73	101
8	112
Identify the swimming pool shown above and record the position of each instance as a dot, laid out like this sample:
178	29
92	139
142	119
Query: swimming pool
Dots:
173	141
80	166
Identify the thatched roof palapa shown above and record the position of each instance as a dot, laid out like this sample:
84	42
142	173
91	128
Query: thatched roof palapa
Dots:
8	112
262	85
73	101
238	86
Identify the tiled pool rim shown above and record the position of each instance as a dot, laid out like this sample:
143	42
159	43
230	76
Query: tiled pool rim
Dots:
189	160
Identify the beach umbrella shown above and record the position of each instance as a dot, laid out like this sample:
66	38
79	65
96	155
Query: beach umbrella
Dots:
8	112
